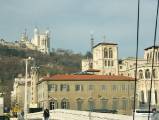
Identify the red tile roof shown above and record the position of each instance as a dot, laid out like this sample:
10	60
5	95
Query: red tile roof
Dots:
87	78
92	70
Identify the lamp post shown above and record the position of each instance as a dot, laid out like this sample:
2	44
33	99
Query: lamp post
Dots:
26	82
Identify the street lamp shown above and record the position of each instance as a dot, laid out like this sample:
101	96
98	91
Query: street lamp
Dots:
26	81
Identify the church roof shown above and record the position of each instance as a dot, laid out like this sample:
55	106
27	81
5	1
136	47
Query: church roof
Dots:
104	43
151	47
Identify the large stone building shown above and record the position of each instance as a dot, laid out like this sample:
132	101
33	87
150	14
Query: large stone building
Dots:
39	42
86	92
144	75
105	59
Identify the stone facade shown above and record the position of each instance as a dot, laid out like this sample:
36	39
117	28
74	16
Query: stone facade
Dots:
105	59
86	92
17	95
39	42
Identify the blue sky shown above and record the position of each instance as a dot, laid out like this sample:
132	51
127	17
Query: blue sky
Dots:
71	22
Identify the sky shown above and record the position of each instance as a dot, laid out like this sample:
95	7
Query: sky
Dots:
72	21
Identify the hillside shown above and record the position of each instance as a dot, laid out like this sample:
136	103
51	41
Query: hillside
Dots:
59	61
12	63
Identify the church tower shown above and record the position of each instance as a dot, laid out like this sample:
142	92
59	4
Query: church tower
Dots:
105	58
42	41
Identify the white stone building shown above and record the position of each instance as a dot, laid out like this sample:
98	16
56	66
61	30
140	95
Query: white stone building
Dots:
17	95
39	42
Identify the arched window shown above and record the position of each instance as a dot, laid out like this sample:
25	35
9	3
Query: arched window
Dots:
140	74
105	53
110	53
147	74
79	104
53	104
91	104
65	104
104	103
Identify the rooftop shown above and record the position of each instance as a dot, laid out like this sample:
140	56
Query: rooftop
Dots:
151	47
86	78
104	43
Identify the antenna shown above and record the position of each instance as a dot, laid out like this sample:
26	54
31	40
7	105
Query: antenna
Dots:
92	41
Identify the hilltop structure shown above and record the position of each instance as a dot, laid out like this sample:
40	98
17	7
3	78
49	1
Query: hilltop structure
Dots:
40	42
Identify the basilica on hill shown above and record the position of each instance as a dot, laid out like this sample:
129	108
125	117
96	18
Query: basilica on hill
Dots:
39	42
105	61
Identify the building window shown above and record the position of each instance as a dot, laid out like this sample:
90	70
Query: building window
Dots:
142	97
110	53
140	74
78	87
52	87
109	63
115	104
103	87
79	104
123	87
120	67
132	86
156	96
124	104
105	63
90	87
147	57
104	103
114	87
105	53
148	99
65	104
91	65
53	104
112	63
147	74
91	104
154	73
64	87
